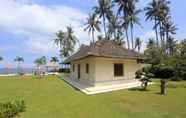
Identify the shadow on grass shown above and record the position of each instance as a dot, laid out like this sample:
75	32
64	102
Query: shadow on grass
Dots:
70	85
138	89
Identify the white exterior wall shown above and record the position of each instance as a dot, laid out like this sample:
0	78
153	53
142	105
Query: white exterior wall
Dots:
86	78
105	69
102	69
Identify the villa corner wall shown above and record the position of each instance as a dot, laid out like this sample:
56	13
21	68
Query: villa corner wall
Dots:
86	78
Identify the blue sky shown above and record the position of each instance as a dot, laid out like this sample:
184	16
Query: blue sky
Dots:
27	27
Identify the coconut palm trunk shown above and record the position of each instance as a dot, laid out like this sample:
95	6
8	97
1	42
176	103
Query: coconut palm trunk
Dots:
104	26
132	36
128	42
156	31
93	37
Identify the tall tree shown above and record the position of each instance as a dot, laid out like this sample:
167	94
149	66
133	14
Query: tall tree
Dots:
92	25
66	41
152	53
59	40
170	46
169	29
113	27
19	60
103	10
138	44
133	18
39	63
54	60
71	41
124	11
152	14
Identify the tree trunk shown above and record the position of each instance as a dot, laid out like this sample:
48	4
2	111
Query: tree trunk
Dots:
93	36
104	26
138	49
132	38
128	43
162	81
156	31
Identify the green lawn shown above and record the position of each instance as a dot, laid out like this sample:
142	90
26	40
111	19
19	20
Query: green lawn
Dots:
53	98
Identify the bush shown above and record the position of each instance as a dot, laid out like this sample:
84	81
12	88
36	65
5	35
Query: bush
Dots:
175	78
159	71
11	109
138	74
64	70
164	72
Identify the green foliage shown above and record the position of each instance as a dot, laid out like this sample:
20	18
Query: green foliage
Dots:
152	53
92	25
40	61
66	41
159	71
11	109
138	74
163	71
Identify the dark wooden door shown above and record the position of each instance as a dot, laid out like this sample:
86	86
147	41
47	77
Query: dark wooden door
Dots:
79	71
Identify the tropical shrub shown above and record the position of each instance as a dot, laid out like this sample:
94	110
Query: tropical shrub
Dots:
158	71
163	71
138	74
11	109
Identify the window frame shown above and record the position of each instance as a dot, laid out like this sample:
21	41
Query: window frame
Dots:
117	71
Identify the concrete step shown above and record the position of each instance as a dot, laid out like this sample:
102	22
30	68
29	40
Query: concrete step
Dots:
104	89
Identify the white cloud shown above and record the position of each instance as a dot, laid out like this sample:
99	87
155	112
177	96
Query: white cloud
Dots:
39	23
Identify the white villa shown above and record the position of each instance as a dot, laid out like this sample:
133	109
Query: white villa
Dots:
103	64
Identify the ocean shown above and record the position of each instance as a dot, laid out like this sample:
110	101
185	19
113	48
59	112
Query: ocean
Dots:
14	70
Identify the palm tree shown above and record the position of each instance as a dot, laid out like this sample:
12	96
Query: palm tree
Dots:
113	28
133	19
152	14
19	60
151	43
138	44
54	60
171	45
124	9
92	25
71	41
169	28
66	41
103	10
158	10
39	63
59	41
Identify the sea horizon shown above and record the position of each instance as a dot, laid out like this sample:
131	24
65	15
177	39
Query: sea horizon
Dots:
15	70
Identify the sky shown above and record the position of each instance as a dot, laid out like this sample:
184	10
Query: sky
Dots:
28	27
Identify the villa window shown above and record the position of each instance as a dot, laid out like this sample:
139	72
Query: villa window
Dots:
87	68
118	70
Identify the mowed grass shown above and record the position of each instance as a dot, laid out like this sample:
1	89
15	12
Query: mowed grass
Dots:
53	98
